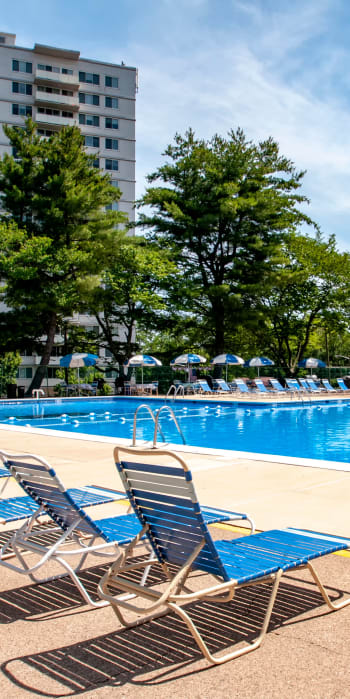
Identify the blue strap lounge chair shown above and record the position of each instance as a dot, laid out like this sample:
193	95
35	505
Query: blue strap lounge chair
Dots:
221	385
328	386
204	386
293	385
242	387
341	383
44	487
313	386
262	388
277	386
306	386
164	500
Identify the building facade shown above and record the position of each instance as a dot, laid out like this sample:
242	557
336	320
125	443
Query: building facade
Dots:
56	87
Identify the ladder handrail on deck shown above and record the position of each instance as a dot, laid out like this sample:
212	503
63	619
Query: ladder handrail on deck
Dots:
157	426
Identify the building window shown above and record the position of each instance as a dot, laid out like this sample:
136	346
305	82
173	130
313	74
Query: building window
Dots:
111	143
91	78
22	110
49	90
111	123
67	115
112	165
87	98
67	71
111	102
67	93
48	69
111	82
25	372
45	132
115	183
22	88
96	162
2	40
22	66
89	120
112	207
50	112
92	141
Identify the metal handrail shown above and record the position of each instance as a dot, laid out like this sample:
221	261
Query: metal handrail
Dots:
156	426
170	390
143	405
179	389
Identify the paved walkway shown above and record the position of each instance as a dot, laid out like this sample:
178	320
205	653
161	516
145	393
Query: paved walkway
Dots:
55	646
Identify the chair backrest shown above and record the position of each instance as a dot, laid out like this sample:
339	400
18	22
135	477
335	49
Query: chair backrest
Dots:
341	383
292	383
204	385
220	383
260	385
312	385
40	481
159	486
241	385
276	384
327	385
304	384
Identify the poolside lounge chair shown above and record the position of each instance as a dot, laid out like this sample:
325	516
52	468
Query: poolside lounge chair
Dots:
165	502
262	388
42	484
293	385
242	386
221	385
277	386
341	383
306	386
203	386
313	386
328	386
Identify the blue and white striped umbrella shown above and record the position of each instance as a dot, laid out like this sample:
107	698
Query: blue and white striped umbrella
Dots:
227	359
141	360
312	363
189	358
78	359
258	362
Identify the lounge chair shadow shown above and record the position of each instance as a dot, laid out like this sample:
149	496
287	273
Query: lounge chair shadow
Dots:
160	647
56	597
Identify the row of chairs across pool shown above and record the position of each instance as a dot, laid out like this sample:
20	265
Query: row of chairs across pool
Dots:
268	386
167	517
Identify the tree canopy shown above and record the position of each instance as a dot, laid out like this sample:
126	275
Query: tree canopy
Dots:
222	209
56	235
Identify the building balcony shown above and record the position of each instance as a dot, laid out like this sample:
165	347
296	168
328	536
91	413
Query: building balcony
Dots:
50	99
45	77
56	121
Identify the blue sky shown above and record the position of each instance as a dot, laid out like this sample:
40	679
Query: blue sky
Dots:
272	67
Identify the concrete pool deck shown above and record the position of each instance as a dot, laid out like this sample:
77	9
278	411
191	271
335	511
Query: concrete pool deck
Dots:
53	646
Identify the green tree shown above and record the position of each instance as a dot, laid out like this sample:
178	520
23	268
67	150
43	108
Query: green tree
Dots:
132	296
222	209
308	301
56	235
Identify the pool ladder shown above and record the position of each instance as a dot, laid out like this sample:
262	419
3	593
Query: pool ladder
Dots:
176	390
157	428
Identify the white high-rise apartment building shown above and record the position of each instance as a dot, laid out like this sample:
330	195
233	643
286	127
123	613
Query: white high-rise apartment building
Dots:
56	88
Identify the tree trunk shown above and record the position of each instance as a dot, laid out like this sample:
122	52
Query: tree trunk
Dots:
42	368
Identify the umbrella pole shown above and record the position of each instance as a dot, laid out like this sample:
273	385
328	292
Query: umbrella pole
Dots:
226	373
78	383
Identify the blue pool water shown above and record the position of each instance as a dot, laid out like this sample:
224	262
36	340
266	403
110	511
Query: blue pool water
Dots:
314	431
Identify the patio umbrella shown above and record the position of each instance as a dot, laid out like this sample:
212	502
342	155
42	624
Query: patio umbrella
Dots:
187	359
258	362
141	360
226	360
312	363
77	360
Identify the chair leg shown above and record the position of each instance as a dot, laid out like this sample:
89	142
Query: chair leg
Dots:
218	660
332	605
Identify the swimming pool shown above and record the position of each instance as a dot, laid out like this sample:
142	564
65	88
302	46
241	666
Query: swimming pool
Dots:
318	430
